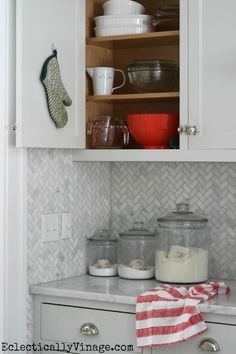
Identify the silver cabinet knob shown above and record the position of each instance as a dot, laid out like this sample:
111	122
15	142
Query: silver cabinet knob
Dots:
192	130
180	129
208	345
188	129
89	329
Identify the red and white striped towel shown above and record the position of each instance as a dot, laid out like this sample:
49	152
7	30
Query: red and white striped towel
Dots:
169	315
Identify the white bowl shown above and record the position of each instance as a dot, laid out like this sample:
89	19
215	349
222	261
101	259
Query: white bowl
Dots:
123	7
119	30
123	20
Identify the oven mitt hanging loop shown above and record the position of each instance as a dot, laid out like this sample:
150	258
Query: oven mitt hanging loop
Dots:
57	96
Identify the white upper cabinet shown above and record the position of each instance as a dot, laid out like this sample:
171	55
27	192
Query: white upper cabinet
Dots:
212	73
39	24
207	54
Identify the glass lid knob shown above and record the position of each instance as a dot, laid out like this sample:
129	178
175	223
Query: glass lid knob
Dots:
182	207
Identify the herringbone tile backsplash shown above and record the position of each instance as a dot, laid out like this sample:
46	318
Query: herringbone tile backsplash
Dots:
148	190
55	185
99	193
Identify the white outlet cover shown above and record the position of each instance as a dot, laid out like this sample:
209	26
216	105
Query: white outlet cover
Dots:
50	227
66	226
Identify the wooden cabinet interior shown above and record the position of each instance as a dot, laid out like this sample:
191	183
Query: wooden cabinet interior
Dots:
118	53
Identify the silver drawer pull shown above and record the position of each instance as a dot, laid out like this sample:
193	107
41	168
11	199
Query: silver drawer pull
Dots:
208	345
89	329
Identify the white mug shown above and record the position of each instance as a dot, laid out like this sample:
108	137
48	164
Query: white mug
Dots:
103	80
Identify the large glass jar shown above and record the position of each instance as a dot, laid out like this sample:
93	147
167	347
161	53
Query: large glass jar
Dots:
182	247
102	254
136	253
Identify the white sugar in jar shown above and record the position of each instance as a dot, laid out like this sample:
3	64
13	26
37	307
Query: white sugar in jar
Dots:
187	265
136	253
102	254
182	247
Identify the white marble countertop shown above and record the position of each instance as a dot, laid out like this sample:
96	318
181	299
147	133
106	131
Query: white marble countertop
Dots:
122	291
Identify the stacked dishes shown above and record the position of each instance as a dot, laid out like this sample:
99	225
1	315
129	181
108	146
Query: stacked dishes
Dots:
153	75
122	17
167	18
122	7
122	24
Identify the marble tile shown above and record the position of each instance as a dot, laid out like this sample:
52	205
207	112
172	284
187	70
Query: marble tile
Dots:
145	191
99	194
55	185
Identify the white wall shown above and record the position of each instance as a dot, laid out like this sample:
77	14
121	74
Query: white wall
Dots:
12	192
2	168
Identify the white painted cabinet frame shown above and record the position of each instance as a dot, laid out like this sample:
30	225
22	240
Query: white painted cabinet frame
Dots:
12	193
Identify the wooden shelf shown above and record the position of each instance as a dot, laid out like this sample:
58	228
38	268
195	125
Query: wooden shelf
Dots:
143	97
136	40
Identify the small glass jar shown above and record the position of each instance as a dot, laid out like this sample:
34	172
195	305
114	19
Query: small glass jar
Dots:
136	253
182	247
102	254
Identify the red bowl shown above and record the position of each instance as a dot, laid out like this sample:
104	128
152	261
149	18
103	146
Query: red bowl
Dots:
153	131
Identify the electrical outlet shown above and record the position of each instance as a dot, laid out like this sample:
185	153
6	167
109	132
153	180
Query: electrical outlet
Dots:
50	227
66	226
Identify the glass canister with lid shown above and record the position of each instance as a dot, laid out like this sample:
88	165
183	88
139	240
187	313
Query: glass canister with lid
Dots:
102	254
182	247
136	253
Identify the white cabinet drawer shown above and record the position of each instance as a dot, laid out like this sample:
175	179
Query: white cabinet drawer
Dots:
63	323
224	335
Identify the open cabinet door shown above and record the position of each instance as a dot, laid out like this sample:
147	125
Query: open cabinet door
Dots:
41	23
212	83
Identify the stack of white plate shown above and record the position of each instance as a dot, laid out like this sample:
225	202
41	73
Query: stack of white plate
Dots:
122	17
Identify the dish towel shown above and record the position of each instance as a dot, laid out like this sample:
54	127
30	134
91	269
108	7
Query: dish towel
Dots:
169	315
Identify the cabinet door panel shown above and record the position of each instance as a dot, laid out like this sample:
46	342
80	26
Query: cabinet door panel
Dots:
64	323
224	335
212	74
39	24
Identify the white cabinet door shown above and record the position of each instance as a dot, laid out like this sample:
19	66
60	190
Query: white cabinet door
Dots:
39	24
212	81
65	324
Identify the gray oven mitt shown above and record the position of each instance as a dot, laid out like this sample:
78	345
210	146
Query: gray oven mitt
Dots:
57	96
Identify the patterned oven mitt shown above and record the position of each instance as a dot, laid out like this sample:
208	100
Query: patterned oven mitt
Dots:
57	95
